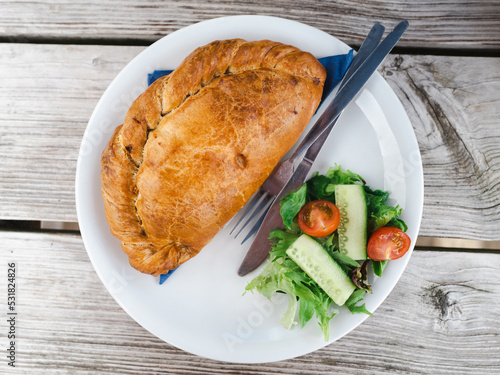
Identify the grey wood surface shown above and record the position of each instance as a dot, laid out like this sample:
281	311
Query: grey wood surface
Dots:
443	24
441	318
48	93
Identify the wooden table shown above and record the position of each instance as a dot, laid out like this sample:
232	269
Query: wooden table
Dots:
58	57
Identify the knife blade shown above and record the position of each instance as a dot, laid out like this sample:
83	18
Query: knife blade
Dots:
259	250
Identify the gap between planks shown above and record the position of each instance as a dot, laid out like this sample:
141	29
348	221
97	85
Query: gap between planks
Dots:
426	243
431	51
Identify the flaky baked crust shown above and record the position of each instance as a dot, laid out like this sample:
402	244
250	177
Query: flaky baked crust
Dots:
198	143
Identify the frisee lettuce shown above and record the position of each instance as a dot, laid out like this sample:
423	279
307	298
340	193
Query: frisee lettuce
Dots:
282	274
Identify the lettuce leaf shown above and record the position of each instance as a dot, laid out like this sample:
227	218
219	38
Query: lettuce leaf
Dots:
291	205
379	213
282	274
378	266
345	262
354	299
345	177
272	280
323	186
280	242
398	223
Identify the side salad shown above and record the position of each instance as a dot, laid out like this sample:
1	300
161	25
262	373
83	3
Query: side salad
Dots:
335	227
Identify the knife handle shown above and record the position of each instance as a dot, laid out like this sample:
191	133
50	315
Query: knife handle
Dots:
351	88
367	47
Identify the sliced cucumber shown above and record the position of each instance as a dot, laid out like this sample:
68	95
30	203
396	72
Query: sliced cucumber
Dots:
351	202
320	266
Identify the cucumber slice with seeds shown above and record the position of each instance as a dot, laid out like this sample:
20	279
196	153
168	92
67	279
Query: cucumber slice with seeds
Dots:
320	266
351	202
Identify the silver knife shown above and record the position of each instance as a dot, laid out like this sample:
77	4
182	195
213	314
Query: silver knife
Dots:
259	250
285	171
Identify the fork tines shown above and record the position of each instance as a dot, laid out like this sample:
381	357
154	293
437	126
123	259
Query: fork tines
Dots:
257	205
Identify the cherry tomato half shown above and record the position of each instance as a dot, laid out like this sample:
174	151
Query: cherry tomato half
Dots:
388	243
319	218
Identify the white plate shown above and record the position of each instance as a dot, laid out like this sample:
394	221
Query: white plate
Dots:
200	309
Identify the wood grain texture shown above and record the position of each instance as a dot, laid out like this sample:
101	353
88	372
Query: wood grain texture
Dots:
442	318
47	96
453	104
439	24
48	93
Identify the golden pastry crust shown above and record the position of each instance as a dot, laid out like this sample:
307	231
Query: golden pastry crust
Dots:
198	143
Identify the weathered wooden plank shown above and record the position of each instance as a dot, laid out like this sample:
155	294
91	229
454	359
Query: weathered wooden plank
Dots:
47	96
48	93
453	104
439	24
442	318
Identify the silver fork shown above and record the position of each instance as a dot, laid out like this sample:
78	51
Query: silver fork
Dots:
266	194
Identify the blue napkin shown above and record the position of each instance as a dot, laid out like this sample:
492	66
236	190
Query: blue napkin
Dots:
157	74
335	66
